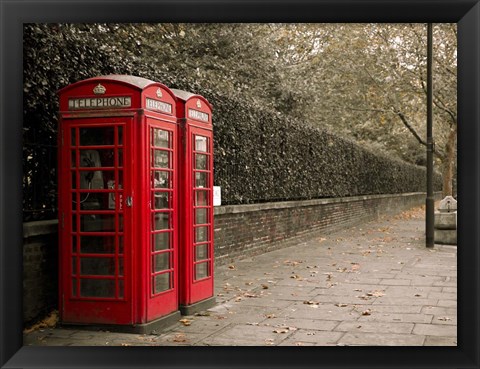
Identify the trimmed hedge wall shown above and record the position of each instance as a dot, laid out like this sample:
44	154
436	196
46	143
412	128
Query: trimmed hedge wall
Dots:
259	155
263	156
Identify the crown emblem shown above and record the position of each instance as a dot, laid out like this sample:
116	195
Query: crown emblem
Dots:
159	93
99	89
199	104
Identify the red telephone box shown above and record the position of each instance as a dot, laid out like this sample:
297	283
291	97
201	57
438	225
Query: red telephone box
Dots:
118	204
194	114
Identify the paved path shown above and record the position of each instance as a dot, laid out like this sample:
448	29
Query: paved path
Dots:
374	284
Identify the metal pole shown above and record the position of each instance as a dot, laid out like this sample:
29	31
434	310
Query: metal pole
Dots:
429	216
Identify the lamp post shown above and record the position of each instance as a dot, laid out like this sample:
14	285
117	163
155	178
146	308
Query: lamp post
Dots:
429	216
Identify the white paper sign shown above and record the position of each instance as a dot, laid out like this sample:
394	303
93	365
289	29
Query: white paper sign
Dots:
217	196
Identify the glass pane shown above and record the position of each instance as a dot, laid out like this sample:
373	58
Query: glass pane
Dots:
73	136
121	288
74	179
97	266
201	270
200	143
74	158
201	234
120	222
120	157
201	161
74	244
161	221
161	283
161	262
201	252
97	288
120	266
74	287
97	158
160	159
95	179
161	179
160	200
97	244
161	138
74	265
120	135
201	179
161	241
200	216
201	198
97	223
96	136
120	245
96	201
74	223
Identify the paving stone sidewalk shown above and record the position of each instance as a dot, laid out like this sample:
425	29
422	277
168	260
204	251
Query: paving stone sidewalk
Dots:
373	284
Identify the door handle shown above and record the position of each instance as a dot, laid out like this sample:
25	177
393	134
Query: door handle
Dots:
128	201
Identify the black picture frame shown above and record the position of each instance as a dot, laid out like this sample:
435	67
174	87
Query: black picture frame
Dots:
15	13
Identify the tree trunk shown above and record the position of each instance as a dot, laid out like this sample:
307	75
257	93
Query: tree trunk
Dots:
449	163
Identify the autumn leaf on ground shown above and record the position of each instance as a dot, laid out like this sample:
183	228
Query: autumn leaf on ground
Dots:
49	322
249	295
341	305
248	283
376	293
367	312
269	341
299	344
270	316
179	338
444	318
186	321
231	266
125	344
265	287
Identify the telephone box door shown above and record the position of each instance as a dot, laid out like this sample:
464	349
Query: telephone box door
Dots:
96	248
161	262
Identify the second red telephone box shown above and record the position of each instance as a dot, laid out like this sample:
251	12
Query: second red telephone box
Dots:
194	115
118	204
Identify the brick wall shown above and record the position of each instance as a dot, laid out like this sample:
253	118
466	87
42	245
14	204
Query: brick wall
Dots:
247	230
40	269
240	231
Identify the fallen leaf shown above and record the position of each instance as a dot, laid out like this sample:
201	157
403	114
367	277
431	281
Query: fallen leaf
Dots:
248	283
179	338
252	323
299	344
186	321
376	293
341	305
247	294
270	316
444	318
367	312
283	330
231	266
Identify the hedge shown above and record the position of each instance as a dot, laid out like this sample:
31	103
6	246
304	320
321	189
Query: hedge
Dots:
259	155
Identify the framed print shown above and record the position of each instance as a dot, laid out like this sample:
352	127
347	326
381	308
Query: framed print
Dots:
15	14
